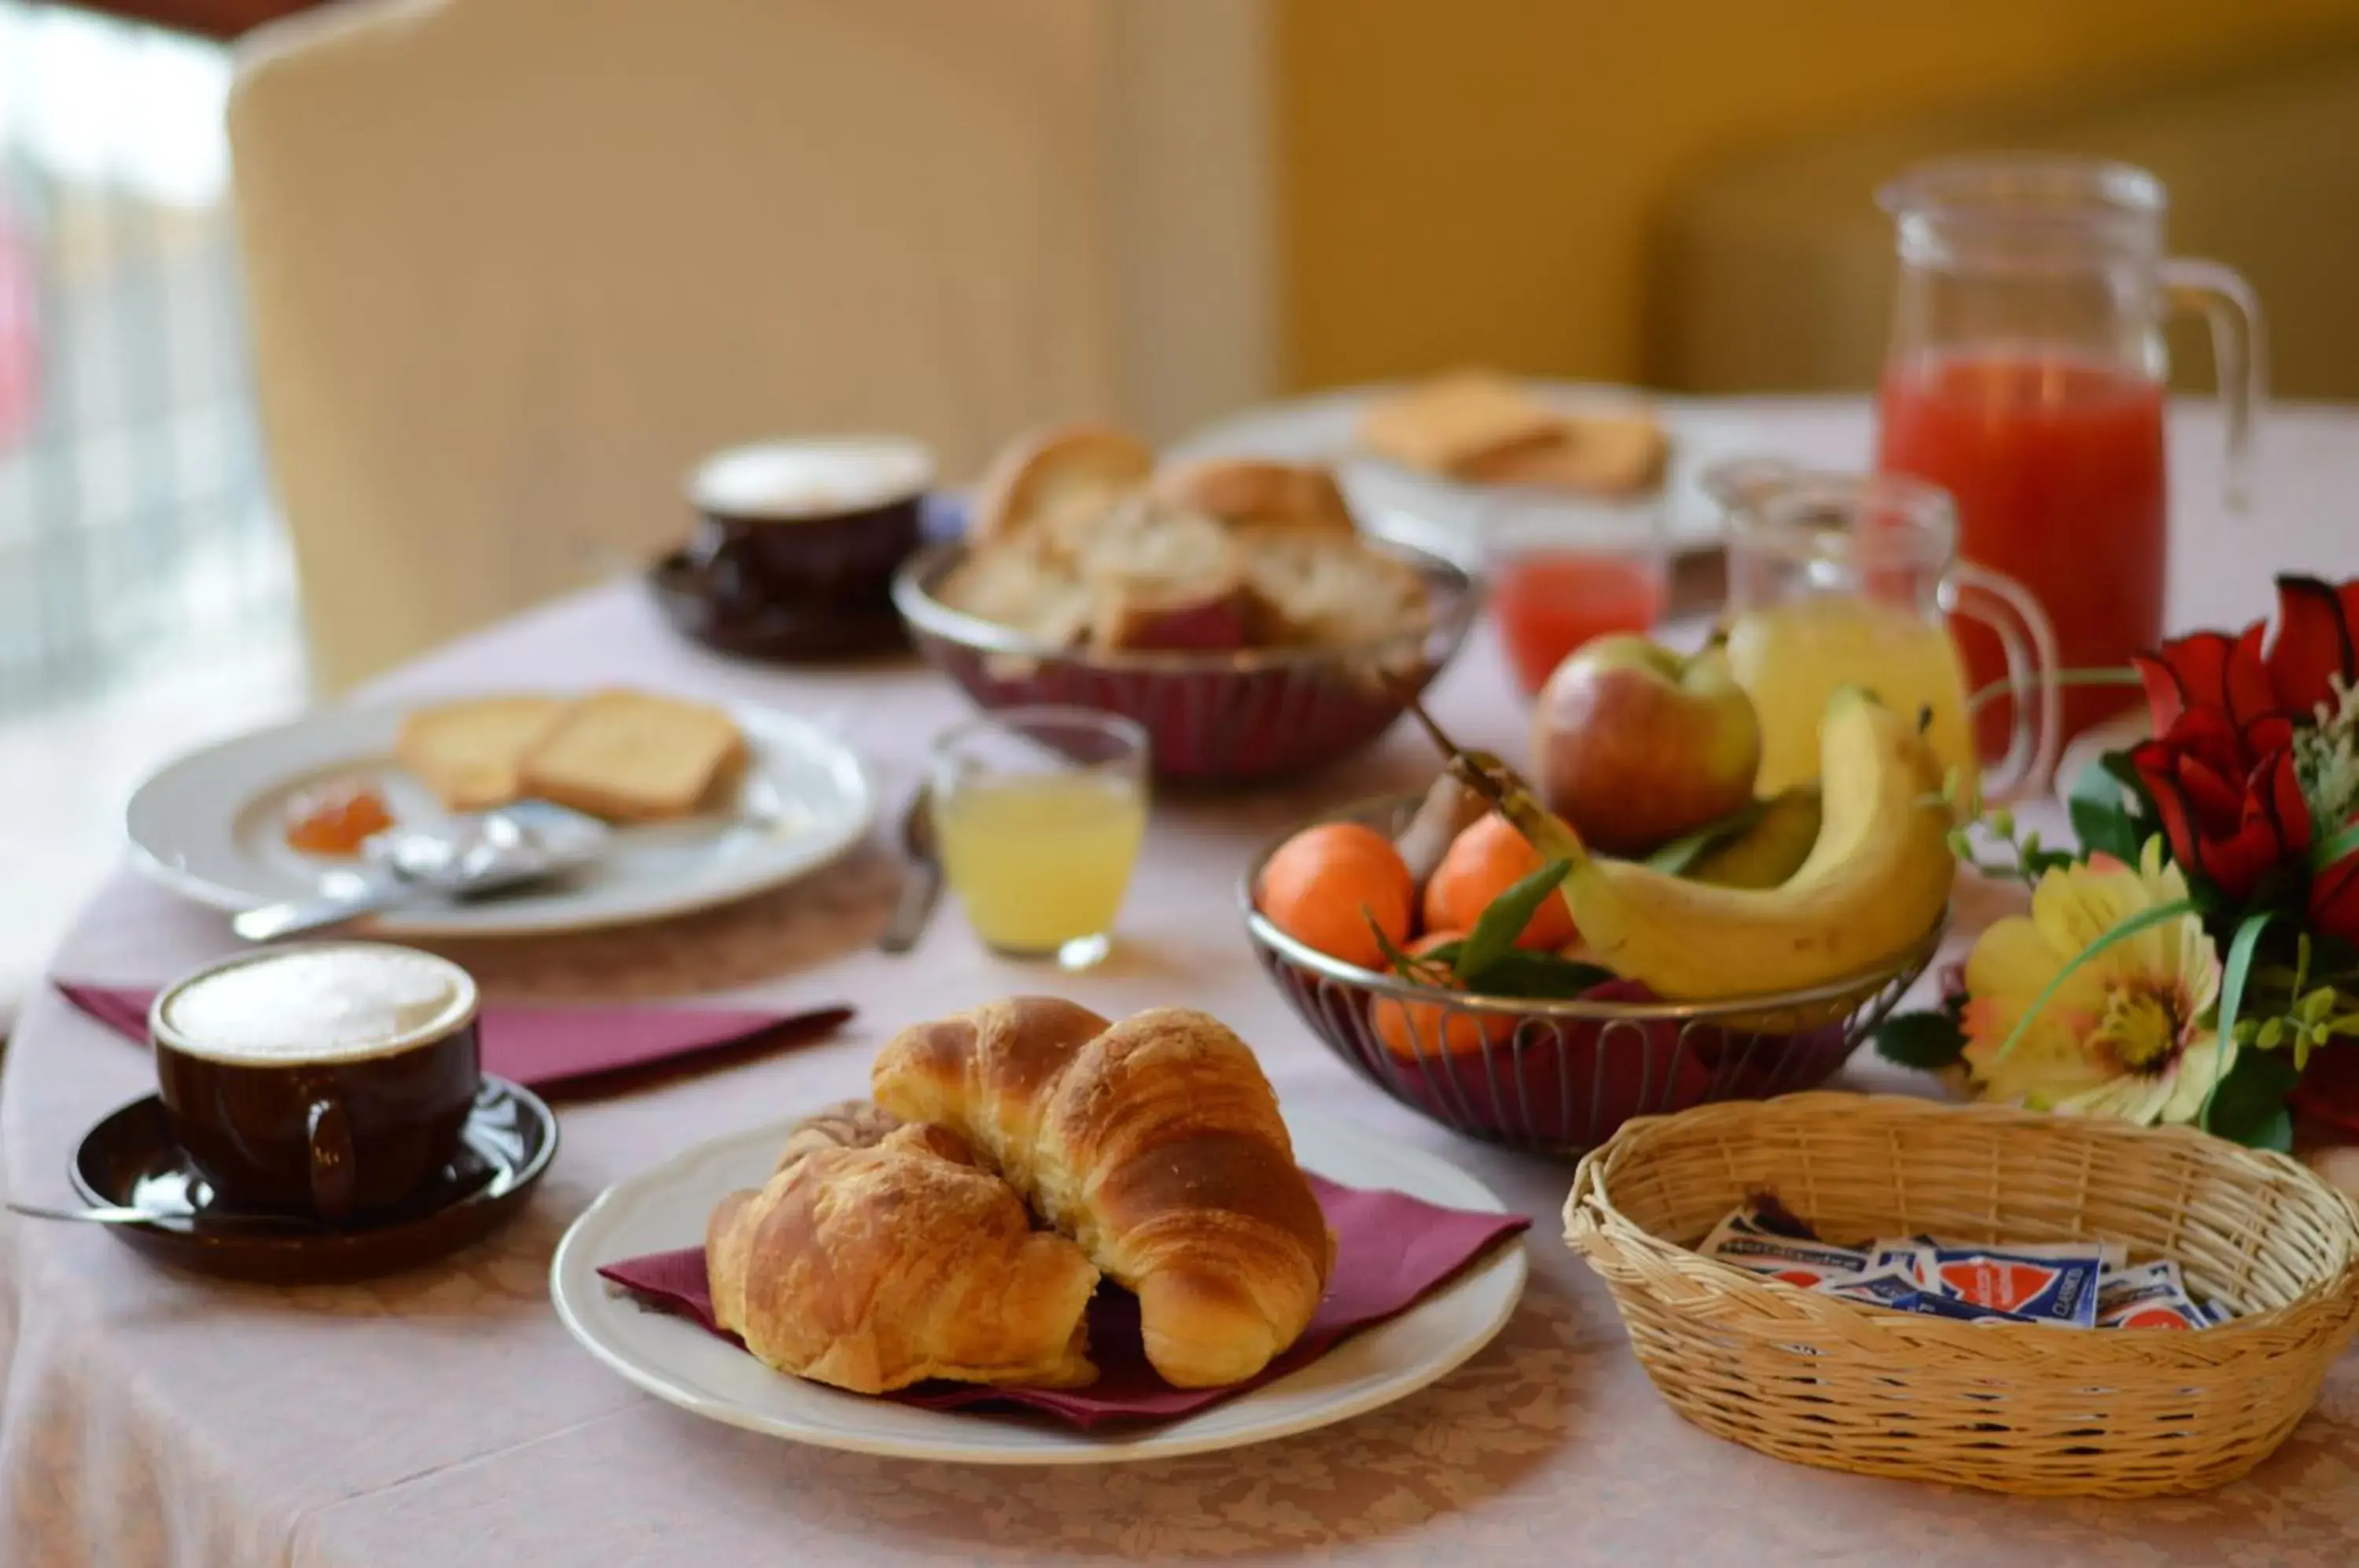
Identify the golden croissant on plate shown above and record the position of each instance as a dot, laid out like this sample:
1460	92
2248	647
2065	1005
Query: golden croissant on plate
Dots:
873	1259
1155	1143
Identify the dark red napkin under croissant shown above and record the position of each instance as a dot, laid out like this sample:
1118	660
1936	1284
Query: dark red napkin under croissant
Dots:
564	1049
1390	1250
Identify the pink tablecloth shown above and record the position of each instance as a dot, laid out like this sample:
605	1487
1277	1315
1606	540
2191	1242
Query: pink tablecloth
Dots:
445	1417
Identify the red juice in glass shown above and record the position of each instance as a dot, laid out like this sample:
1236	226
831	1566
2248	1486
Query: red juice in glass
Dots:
2056	465
1548	603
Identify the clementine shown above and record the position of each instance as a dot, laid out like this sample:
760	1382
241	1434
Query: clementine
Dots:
1415	1030
1483	862
1326	883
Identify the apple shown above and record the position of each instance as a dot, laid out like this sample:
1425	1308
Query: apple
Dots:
1635	745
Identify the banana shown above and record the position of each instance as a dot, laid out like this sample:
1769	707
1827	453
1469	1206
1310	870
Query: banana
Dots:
1876	878
1770	849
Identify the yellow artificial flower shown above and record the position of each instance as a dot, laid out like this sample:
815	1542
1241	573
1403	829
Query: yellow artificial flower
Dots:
2129	1034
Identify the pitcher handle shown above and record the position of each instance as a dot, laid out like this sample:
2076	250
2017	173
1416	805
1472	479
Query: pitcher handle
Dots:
2028	639
2239	355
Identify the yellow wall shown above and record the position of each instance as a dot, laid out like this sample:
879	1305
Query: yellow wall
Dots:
1471	179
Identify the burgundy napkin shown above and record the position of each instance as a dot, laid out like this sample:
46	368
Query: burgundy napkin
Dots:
1390	1250
573	1049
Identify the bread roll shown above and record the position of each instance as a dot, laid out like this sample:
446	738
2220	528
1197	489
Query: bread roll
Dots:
1250	492
1054	481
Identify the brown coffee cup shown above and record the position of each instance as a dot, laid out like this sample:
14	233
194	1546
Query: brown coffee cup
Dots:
818	525
331	1078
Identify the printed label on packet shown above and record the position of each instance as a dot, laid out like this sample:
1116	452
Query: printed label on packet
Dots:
1914	1255
2055	1284
1928	1304
1882	1286
2151	1295
1802	1263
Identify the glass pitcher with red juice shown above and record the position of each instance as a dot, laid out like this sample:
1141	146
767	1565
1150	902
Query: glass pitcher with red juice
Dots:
2025	376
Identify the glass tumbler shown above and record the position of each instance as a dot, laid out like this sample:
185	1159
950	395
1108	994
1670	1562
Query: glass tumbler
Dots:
1038	813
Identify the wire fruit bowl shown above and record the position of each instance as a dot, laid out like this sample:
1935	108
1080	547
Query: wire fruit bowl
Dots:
1559	1077
1211	716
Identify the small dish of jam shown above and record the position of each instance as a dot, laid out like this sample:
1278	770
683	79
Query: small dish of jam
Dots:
337	819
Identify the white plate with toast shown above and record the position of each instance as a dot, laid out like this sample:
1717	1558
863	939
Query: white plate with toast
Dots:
728	802
677	1361
1453	517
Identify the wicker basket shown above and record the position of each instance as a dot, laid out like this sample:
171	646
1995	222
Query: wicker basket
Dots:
2015	1408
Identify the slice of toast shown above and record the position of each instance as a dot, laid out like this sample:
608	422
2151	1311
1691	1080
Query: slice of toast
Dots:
1443	425
633	757
1616	455
471	753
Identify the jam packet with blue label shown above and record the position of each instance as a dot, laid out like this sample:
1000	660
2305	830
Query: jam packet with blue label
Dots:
1805	1263
1929	1303
2053	1282
2149	1295
1884	1287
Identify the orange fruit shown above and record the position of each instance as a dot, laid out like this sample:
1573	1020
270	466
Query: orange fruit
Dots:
1411	1030
1317	884
1486	859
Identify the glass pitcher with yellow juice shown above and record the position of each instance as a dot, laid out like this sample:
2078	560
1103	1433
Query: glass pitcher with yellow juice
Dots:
1038	813
1841	580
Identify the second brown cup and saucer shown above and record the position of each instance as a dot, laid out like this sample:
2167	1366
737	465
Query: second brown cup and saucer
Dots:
321	1114
795	548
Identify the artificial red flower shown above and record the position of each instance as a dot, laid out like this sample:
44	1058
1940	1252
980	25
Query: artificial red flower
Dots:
2228	795
2333	909
2208	672
2317	639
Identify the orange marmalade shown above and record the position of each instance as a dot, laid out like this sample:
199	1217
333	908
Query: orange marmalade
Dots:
337	821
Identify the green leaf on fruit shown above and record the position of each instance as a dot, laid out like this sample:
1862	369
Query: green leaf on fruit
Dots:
1927	1041
2101	817
1541	976
2248	1104
1496	930
1674	858
1427	968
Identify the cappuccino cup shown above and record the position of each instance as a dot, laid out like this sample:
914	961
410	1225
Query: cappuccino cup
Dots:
331	1078
818	523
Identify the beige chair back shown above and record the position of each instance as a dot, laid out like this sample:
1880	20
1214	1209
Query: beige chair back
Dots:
513	264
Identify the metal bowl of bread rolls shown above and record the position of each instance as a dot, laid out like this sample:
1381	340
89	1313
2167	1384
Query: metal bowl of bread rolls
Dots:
1233	609
1557	1074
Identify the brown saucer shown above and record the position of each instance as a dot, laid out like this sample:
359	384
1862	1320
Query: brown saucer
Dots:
130	1159
737	624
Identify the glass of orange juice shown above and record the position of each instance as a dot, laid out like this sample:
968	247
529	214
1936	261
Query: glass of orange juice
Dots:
1039	811
1561	578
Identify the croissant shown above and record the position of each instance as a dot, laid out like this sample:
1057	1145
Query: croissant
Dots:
872	1268
1156	1144
847	1124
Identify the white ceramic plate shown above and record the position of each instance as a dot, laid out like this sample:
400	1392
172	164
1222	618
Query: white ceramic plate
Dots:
1452	518
676	1360
211	826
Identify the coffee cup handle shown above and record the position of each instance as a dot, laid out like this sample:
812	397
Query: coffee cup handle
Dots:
331	1161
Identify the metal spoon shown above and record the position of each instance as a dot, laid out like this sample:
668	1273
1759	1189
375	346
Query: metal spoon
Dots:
516	846
117	1213
921	886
